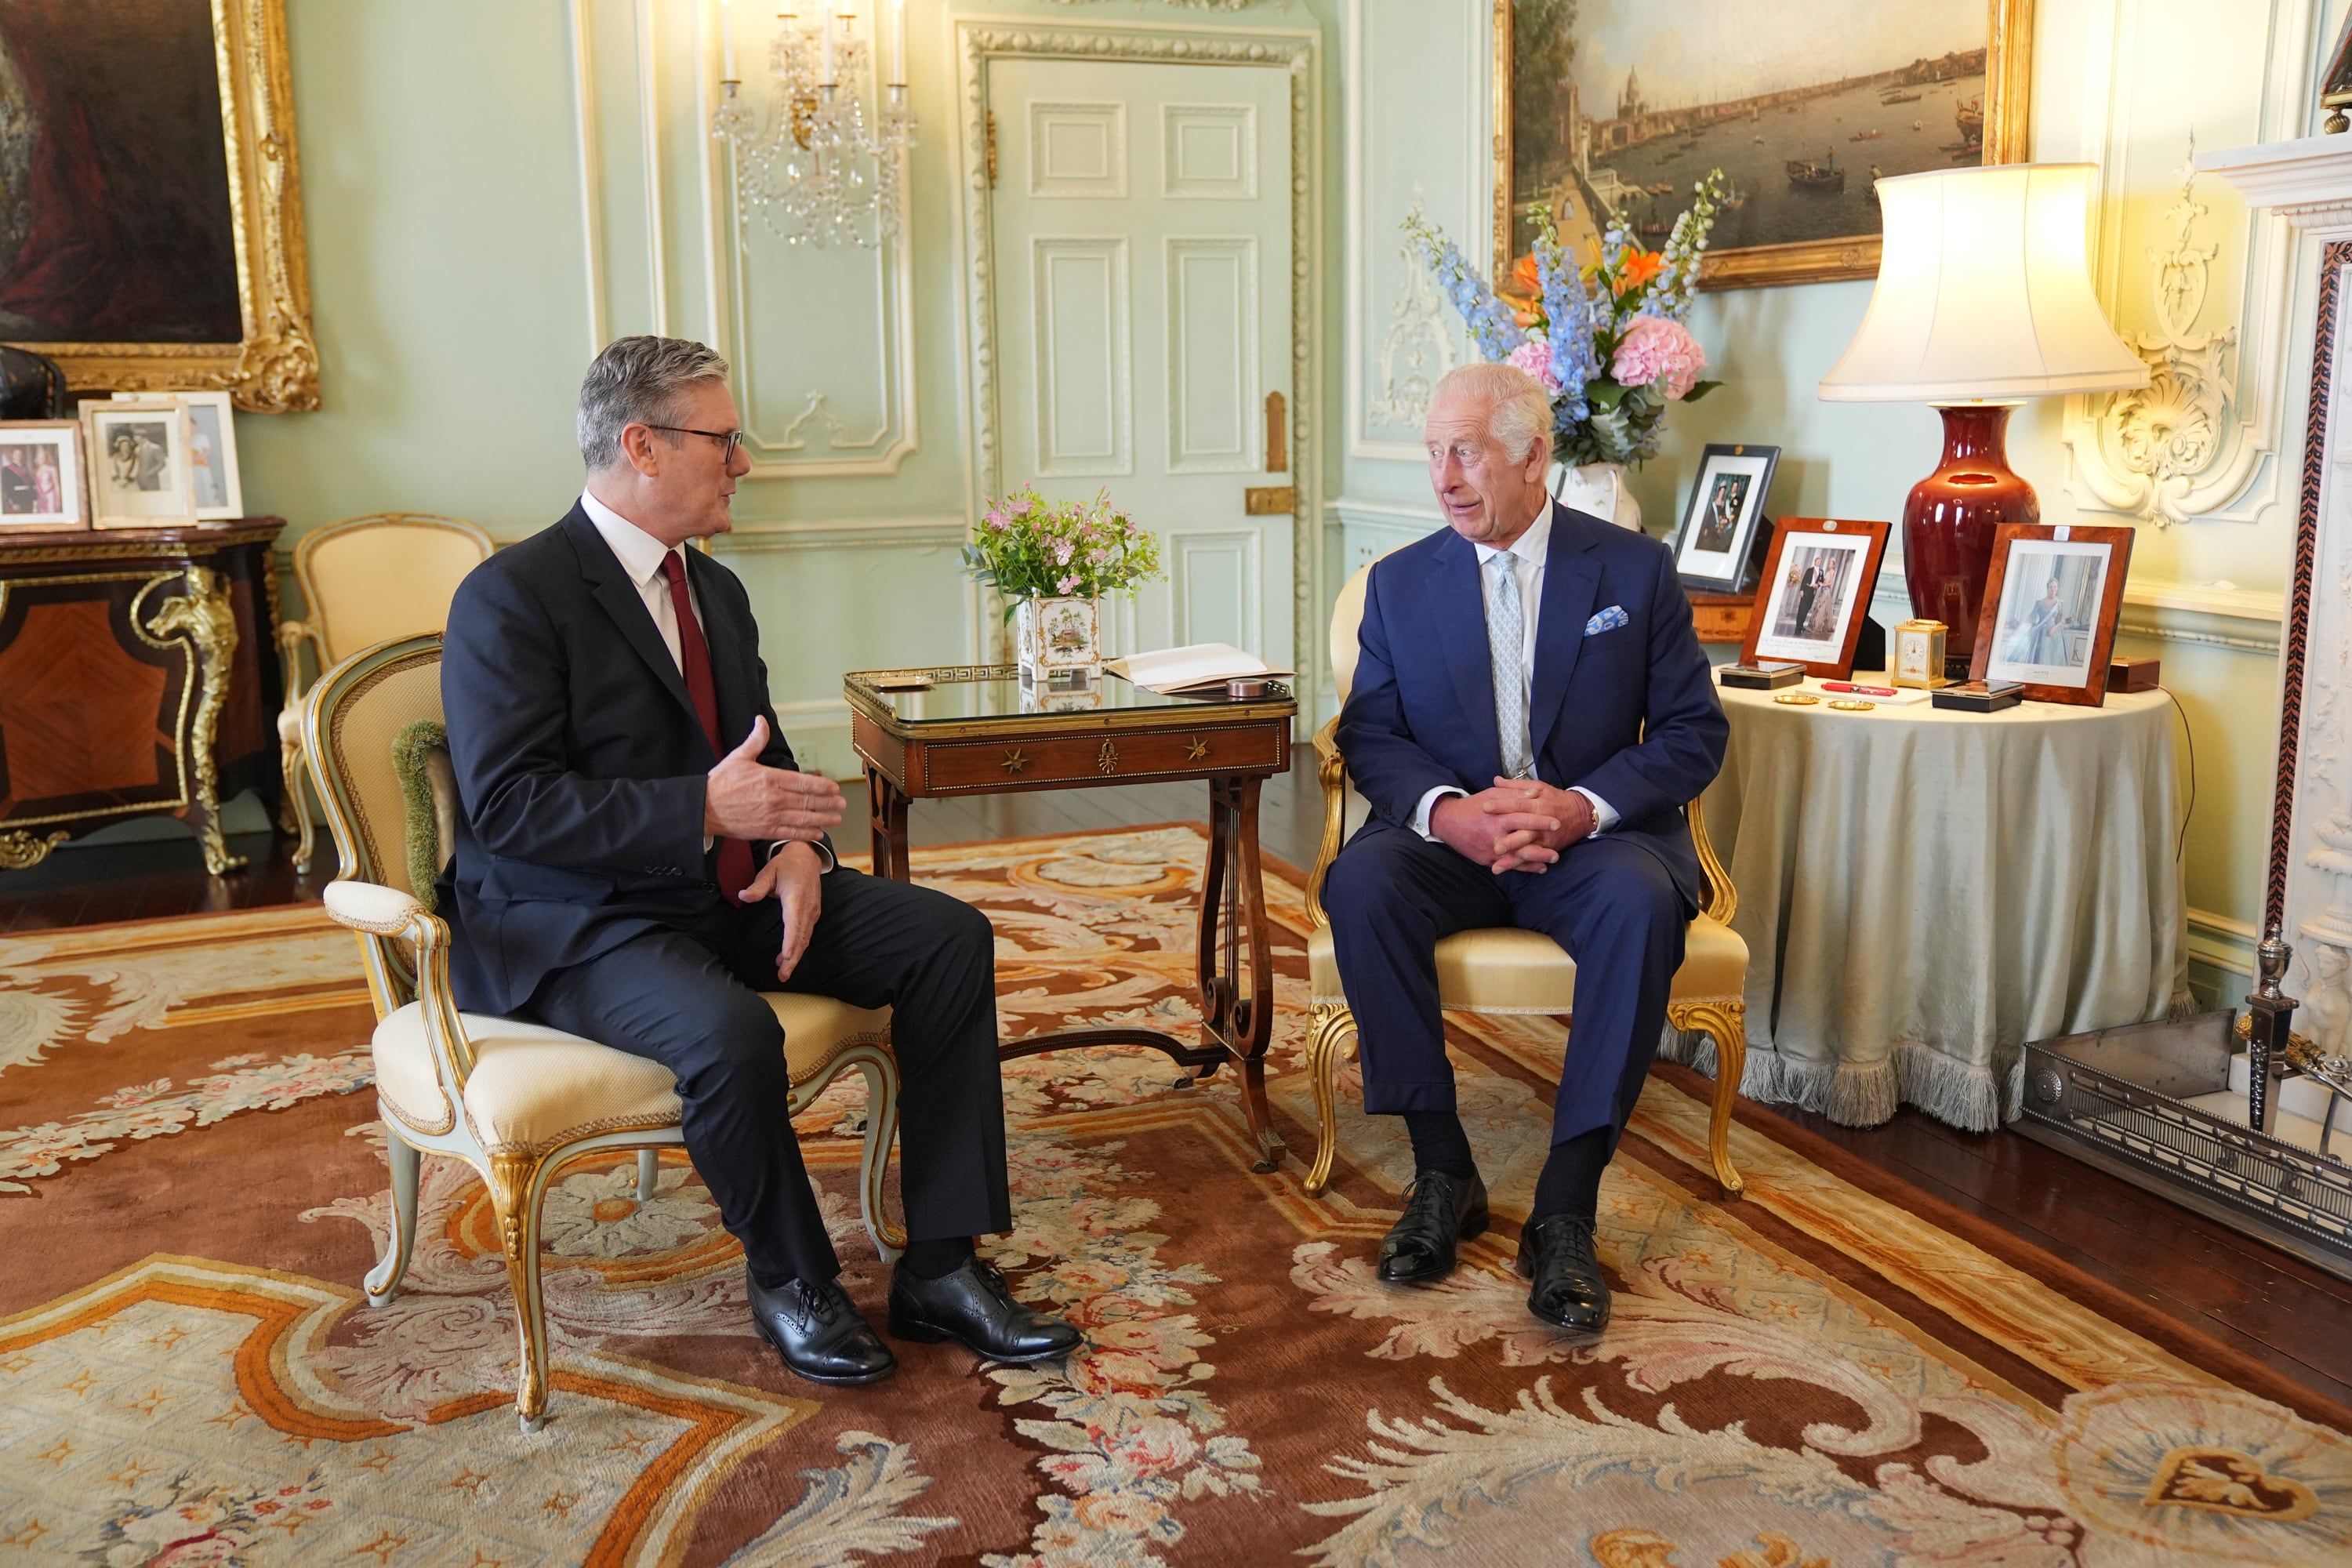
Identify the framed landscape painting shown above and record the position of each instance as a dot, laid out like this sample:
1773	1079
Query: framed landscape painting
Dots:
1621	105
150	209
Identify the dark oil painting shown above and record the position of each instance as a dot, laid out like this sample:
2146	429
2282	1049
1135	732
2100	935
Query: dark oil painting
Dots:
115	223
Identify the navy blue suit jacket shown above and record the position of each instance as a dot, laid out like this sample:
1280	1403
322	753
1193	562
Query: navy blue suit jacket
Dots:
579	760
1629	713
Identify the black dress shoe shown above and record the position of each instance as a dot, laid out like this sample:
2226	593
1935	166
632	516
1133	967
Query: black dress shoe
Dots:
1555	1253
818	1332
1441	1211
974	1307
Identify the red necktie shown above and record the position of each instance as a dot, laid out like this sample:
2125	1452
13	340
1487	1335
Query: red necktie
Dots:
734	855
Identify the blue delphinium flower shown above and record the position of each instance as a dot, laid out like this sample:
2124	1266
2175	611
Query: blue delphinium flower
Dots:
1493	328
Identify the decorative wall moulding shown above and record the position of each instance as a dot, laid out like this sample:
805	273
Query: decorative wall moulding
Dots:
2147	452
1416	349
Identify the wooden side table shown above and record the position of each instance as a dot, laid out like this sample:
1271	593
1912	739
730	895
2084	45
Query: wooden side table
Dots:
137	678
929	733
1722	618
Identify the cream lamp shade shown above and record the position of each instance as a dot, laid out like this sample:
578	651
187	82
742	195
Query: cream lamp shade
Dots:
1984	292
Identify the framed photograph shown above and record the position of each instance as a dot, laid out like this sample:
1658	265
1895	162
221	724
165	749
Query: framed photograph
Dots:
211	453
1816	594
2050	608
1727	502
41	483
139	474
152	145
1609	105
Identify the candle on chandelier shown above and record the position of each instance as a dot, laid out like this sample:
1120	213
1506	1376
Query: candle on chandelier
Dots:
897	40
824	29
727	36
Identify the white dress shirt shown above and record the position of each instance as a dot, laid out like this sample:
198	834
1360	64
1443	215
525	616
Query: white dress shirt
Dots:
641	556
1526	555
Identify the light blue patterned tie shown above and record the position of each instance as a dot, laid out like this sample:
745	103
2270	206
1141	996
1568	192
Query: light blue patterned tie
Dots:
1507	630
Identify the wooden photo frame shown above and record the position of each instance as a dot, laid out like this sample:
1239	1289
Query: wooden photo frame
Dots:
138	456
1816	592
211	453
1585	128
2055	642
168	134
43	478
1720	517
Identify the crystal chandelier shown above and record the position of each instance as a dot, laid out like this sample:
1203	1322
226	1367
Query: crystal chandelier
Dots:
820	174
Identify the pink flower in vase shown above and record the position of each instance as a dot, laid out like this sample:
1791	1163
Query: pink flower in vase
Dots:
1659	353
1534	356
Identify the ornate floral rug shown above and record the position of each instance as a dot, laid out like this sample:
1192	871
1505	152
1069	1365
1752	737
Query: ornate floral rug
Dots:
1833	1371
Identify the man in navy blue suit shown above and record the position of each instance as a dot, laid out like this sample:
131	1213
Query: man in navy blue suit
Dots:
639	856
1531	710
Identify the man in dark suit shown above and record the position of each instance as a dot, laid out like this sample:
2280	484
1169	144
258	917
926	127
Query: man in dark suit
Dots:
640	856
1531	710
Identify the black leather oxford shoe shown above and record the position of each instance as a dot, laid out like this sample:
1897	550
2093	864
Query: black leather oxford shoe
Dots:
1556	1254
818	1332
1441	1212
974	1307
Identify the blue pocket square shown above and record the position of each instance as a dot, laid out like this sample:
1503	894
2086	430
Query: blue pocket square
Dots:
1608	620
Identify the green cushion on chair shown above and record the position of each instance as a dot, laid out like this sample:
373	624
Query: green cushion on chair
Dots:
428	793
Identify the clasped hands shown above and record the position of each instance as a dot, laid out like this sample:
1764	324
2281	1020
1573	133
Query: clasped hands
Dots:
1519	825
749	800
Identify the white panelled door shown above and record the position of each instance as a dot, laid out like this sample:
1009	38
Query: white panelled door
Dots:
1141	231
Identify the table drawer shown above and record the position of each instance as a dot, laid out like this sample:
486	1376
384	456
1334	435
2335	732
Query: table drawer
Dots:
1103	758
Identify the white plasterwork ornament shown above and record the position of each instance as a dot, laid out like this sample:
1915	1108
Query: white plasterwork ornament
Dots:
1414	352
2150	447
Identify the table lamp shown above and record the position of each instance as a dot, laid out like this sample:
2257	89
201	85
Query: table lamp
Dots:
1983	299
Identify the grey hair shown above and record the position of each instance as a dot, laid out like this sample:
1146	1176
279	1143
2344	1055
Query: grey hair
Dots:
1518	409
638	381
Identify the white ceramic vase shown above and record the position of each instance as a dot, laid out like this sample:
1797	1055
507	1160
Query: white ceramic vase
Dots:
1599	489
1058	643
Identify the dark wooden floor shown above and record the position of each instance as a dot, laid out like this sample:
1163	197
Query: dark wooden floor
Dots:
2265	1304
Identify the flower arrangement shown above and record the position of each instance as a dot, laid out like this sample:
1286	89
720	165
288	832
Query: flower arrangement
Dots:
1030	548
1607	339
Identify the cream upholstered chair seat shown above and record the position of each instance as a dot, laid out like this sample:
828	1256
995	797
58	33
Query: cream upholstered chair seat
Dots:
1507	970
516	1100
364	581
534	1088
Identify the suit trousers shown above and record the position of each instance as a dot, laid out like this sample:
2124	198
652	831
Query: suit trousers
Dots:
1392	895
686	997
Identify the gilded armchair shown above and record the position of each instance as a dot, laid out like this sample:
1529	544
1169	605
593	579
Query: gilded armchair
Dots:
516	1100
365	579
1507	970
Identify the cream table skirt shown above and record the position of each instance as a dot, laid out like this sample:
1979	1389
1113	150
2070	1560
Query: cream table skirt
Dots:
1923	892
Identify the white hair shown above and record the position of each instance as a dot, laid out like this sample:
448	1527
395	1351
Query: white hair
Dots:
638	381
1518	409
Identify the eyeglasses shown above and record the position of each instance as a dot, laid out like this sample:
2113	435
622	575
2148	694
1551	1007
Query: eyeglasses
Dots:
730	440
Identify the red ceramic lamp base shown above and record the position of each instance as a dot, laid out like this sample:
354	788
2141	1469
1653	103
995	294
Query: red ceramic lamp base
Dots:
1950	520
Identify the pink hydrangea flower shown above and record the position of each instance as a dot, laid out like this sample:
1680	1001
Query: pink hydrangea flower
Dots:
1655	351
1534	356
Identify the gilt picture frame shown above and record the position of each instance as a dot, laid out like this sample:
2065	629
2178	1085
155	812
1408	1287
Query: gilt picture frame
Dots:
138	460
168	252
1538	141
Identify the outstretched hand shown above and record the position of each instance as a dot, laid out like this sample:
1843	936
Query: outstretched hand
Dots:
748	799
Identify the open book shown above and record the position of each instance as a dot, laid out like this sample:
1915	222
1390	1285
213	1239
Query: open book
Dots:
1201	666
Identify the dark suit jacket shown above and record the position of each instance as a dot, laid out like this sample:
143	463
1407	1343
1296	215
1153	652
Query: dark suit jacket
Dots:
579	760
1629	713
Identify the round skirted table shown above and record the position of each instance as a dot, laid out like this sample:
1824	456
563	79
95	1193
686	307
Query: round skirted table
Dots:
1922	891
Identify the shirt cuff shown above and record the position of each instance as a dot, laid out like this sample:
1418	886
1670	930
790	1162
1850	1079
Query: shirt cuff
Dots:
1604	815
1421	813
824	852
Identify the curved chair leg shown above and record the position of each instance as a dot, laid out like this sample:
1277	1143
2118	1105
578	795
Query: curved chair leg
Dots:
648	1173
514	1192
1333	1024
881	1132
294	810
384	1280
1725	1024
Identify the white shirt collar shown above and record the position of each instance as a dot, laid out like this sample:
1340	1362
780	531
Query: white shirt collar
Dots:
1529	547
640	553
